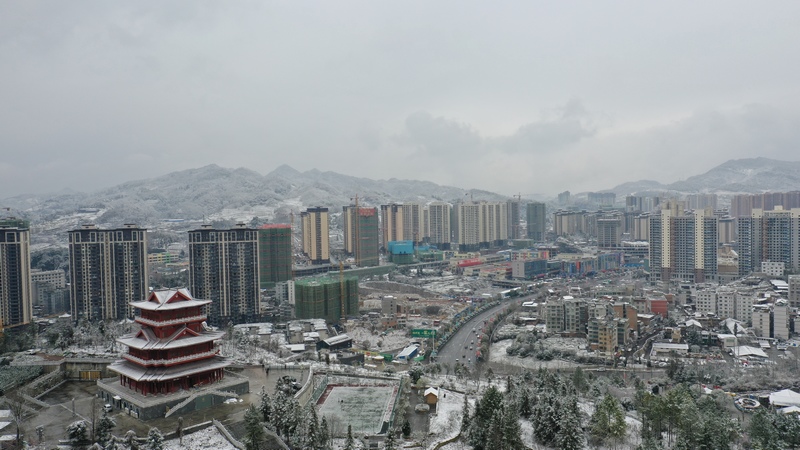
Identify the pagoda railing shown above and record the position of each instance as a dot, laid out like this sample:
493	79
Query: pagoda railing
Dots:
162	323
170	361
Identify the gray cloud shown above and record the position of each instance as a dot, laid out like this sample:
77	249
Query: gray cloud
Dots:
95	93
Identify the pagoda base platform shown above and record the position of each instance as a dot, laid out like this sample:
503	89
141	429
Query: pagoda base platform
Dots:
148	407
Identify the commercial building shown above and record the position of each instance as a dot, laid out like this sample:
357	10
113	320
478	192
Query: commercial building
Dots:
329	298
108	271
16	305
316	235
224	268
274	254
683	245
438	225
361	231
536	216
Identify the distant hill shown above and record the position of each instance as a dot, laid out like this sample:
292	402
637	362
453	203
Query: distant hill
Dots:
750	175
214	192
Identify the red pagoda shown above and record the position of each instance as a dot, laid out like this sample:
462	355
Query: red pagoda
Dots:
174	350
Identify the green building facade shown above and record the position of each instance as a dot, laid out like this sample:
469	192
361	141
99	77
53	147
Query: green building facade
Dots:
274	254
323	298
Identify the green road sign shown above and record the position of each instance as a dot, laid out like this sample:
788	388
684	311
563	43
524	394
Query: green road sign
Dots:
423	333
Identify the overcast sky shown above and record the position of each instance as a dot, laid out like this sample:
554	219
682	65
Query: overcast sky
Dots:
521	97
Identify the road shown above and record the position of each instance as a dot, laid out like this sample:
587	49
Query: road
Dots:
457	348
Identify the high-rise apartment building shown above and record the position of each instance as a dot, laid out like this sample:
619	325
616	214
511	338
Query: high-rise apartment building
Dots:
316	235
361	231
481	225
391	223
683	245
108	271
742	205
701	201
769	236
413	222
16	306
224	268
536	217
274	254
513	219
609	231
602	198
794	291
438	225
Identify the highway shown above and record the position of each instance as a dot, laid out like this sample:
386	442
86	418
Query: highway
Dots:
457	349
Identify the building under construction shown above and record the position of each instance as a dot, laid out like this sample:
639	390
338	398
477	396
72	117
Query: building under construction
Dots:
361	231
329	298
274	254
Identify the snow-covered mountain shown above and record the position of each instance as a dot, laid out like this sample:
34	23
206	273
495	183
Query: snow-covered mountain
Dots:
750	175
214	192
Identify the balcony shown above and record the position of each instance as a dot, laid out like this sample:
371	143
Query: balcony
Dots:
165	323
171	361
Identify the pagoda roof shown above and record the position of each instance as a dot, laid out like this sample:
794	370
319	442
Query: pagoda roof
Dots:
169	299
145	339
140	373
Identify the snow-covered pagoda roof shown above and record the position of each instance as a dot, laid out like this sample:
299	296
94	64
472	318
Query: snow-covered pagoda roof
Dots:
140	373
169	299
145	339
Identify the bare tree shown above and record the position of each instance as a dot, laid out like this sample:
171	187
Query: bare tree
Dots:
16	404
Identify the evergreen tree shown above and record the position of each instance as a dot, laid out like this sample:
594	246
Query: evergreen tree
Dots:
104	426
763	433
649	443
78	433
313	437
266	405
484	410
349	443
407	427
608	421
570	432
254	434
130	440
465	419
155	440
524	405
325	433
391	442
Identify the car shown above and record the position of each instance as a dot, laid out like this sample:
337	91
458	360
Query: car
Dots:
108	408
456	359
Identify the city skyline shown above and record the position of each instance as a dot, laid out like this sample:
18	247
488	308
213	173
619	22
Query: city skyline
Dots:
539	99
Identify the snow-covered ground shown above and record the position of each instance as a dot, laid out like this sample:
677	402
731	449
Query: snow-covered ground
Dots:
394	339
498	355
446	422
207	438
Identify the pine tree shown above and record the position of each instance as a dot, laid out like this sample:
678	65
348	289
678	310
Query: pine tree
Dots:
266	405
254	434
324	433
763	432
78	433
406	429
155	440
313	438
104	426
130	440
349	443
465	419
570	433
608	420
484	410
